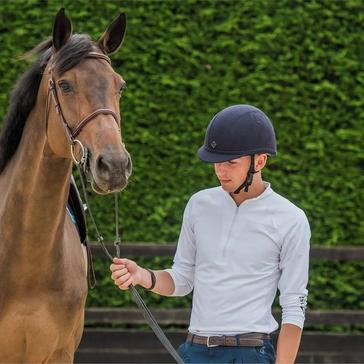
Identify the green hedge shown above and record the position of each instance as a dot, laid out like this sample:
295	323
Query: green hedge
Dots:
300	61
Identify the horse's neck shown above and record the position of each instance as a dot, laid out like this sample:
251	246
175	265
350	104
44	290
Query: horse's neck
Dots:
36	185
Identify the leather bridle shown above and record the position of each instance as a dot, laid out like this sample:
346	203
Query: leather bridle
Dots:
72	134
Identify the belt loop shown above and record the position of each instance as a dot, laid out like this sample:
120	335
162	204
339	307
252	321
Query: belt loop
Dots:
237	338
192	337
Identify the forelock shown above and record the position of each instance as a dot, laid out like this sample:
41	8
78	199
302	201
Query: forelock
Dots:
73	52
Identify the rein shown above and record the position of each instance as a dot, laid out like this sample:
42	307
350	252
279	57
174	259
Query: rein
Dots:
82	167
148	316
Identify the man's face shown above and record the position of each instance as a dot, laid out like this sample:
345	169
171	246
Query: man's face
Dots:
231	174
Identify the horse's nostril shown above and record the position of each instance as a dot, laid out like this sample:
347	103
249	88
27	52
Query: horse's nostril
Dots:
112	169
128	164
102	165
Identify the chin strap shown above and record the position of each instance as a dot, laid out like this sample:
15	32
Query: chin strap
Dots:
249	178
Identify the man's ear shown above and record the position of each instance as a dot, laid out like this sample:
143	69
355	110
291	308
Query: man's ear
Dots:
111	40
62	30
260	161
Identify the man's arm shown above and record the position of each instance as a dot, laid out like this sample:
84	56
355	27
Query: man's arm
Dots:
126	272
294	267
177	281
288	343
164	284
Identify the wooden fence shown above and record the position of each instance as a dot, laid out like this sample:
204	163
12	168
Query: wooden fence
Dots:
136	344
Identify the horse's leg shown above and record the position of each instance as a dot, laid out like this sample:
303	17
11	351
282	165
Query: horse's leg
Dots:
66	354
84	251
62	356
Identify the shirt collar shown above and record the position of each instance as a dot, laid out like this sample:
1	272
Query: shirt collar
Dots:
268	190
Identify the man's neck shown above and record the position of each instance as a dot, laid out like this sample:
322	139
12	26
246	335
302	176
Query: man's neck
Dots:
256	189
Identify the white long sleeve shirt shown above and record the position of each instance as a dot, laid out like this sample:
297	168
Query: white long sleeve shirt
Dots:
236	257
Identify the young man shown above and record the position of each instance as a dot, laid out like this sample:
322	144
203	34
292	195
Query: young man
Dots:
239	243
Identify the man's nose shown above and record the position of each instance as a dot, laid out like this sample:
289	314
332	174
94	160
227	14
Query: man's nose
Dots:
220	167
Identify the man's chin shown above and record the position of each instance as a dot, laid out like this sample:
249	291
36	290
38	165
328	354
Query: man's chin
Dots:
226	187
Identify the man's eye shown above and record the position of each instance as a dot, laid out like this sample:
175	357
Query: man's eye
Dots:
65	86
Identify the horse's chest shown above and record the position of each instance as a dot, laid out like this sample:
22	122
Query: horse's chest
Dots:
58	286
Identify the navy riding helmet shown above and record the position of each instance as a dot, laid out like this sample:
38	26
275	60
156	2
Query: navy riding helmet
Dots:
237	131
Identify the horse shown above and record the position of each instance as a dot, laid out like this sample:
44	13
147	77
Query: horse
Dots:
65	104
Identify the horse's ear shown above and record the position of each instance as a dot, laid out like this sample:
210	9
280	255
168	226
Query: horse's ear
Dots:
111	40
62	30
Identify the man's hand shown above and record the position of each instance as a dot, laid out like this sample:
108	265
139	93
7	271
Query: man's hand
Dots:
126	272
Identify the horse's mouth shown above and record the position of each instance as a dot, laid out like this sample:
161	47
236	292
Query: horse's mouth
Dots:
97	189
102	191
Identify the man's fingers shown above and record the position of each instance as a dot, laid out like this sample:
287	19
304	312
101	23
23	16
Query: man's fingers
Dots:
126	284
114	267
118	273
120	260
121	280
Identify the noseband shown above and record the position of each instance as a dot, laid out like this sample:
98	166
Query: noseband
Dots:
72	134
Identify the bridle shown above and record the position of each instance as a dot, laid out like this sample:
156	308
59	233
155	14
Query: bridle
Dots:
72	134
82	165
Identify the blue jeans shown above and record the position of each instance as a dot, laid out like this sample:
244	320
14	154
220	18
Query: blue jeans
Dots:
197	353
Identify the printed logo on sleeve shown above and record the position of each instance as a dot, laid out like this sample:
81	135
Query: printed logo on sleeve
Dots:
303	303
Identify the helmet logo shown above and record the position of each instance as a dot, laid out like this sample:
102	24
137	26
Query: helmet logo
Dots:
213	144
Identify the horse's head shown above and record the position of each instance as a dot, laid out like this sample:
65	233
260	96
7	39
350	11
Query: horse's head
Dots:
83	91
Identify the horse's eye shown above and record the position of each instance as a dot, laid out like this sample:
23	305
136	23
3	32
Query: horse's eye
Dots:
65	86
122	89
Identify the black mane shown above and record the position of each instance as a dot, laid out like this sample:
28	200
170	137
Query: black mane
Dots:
24	95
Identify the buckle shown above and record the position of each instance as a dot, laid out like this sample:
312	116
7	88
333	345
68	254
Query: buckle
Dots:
208	342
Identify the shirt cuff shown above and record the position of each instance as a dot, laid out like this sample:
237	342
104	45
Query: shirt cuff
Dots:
181	285
293	322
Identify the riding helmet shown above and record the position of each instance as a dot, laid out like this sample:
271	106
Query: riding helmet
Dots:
237	131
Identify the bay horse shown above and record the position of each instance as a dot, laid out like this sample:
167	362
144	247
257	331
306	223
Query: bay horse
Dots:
71	92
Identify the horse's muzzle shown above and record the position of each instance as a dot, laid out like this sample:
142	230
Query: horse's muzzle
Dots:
111	172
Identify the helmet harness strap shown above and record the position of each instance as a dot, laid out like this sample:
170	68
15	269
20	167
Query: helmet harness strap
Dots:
249	178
